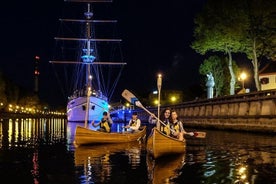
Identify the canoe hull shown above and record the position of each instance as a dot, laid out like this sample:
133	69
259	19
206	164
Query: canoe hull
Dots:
159	145
85	136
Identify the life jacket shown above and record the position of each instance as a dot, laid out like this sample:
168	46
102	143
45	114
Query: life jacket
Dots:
133	122
105	125
165	128
176	127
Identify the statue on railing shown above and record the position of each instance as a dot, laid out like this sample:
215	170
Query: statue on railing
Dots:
210	85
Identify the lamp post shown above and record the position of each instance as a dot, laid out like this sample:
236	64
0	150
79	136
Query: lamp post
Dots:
159	84
243	77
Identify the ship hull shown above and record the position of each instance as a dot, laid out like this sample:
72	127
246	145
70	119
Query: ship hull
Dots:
76	109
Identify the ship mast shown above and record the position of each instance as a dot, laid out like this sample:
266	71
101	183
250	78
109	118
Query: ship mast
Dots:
88	55
88	58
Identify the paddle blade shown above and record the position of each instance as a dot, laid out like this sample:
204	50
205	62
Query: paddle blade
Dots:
131	98
200	134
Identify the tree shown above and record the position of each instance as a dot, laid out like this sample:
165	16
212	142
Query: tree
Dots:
11	93
214	31
245	26
260	33
30	100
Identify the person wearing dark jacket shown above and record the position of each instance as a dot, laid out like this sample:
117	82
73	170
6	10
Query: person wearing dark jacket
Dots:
105	123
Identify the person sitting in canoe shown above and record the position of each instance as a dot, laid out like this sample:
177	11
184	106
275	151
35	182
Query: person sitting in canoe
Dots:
165	125
105	123
176	126
134	123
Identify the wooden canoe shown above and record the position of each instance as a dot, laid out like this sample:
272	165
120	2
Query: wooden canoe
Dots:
159	144
86	136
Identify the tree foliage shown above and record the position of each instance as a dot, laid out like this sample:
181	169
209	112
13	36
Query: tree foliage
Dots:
10	93
259	36
237	26
215	32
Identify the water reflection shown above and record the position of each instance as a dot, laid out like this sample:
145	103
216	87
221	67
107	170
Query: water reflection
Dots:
97	160
164	170
42	151
26	147
232	157
251	154
25	132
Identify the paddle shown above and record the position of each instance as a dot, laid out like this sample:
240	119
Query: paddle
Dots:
132	99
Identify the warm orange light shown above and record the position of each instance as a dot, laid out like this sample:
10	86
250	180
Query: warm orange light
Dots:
243	76
173	98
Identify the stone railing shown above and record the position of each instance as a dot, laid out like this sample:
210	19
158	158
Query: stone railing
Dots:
248	112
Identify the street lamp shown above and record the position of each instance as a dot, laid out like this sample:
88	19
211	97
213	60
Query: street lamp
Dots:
243	77
173	99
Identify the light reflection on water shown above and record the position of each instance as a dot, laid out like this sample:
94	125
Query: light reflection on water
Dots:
99	161
231	157
42	151
29	131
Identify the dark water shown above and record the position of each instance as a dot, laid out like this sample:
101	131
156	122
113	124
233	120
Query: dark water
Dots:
42	151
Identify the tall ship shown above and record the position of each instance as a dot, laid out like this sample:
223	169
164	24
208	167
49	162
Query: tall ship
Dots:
92	63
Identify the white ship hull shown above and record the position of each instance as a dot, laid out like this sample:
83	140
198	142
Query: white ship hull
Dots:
76	108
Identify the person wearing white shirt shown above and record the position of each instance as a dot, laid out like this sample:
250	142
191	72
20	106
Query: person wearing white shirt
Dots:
134	123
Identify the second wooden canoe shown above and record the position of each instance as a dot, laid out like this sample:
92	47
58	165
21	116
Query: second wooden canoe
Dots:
159	144
85	136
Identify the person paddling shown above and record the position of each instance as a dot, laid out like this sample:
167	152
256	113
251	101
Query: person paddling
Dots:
105	123
165	125
134	123
176	126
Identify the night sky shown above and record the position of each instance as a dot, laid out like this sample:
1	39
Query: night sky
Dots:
156	39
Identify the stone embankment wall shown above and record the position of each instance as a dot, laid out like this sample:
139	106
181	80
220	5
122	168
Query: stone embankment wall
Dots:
247	112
